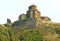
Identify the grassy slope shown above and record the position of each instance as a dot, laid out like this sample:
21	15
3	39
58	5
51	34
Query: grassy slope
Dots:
44	32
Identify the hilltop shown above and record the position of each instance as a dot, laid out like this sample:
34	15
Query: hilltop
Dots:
30	27
32	17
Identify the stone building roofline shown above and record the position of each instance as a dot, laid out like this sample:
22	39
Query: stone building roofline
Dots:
43	17
32	5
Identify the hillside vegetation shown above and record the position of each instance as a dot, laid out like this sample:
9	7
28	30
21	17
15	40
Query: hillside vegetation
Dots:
46	32
30	27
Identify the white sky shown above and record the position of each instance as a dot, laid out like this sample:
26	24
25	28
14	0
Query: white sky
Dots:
13	8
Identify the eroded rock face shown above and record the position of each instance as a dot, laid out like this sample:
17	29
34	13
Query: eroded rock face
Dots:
22	17
32	17
33	12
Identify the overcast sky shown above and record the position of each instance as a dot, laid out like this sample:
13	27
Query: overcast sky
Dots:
13	8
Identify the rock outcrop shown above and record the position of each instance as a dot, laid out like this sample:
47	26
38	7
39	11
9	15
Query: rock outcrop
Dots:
8	21
22	17
32	17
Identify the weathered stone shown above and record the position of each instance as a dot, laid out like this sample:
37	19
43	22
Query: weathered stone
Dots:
31	18
45	18
22	17
8	21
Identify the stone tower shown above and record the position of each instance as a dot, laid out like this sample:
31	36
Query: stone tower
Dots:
34	14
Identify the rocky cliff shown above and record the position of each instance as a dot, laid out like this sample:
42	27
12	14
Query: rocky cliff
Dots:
32	17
